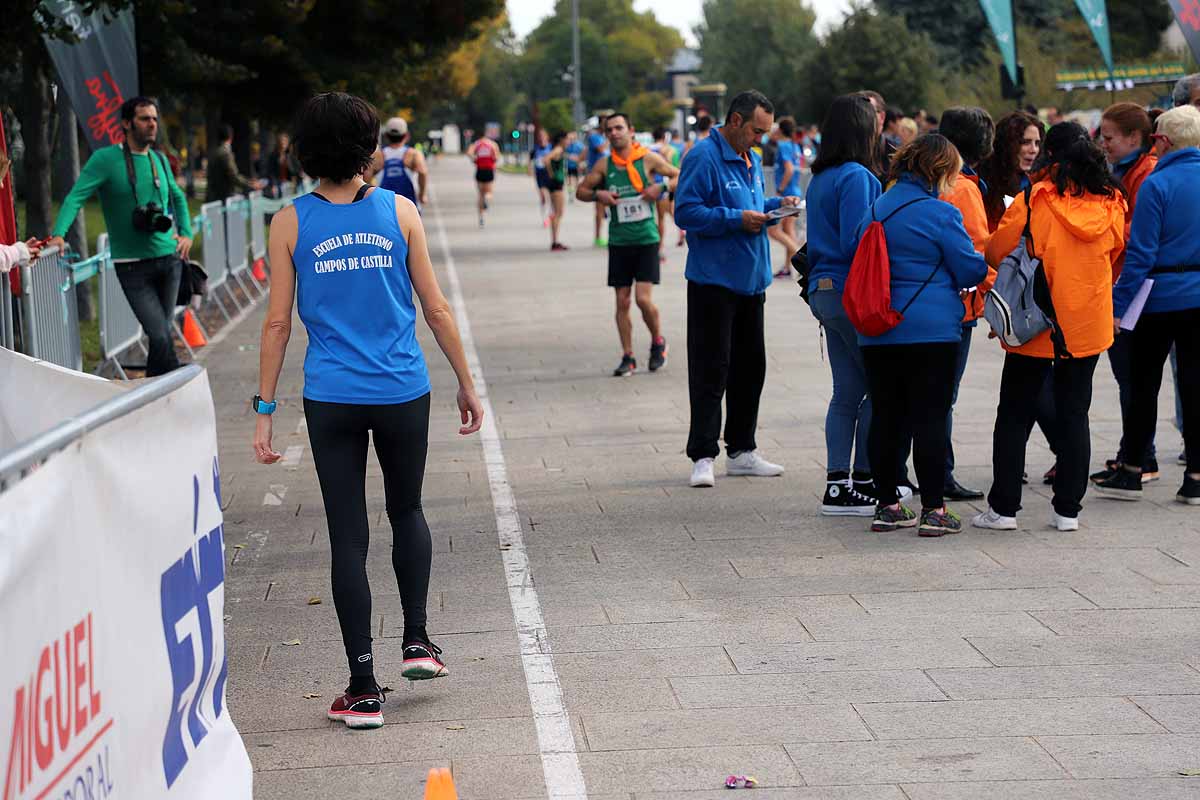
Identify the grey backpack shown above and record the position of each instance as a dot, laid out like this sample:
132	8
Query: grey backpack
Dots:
1018	307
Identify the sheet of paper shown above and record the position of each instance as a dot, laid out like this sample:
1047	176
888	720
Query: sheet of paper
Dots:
784	211
1134	312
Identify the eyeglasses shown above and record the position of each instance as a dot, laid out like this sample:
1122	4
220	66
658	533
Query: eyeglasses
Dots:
1161	137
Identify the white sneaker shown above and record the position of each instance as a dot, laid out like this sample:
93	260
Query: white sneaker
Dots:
1065	523
751	463
990	519
702	473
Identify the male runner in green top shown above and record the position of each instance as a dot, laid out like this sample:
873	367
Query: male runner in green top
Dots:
624	181
137	193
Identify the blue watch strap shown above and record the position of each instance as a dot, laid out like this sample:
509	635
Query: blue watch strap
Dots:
263	407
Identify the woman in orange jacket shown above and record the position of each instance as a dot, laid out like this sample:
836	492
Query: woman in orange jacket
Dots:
1077	221
1125	132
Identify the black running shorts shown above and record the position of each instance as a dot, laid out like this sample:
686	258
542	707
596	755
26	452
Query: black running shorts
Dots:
485	175
632	262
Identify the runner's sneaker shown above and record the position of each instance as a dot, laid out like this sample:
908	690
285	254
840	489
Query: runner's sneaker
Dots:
889	518
559	246
992	521
358	711
627	367
751	463
842	499
702	474
1121	485
939	522
658	354
422	662
481	220
1189	492
786	272
601	241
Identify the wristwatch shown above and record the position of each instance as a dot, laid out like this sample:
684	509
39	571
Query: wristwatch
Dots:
261	406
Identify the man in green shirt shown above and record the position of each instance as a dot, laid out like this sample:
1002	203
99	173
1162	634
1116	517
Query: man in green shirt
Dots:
137	192
623	181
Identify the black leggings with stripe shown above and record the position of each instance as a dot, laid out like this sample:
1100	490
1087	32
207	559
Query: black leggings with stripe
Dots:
338	433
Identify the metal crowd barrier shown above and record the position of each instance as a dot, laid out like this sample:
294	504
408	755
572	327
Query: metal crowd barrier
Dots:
7	313
50	315
258	227
237	214
211	223
119	327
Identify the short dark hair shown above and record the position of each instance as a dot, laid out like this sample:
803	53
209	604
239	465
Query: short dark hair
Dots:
848	134
703	122
129	107
892	114
225	132
787	126
335	135
621	114
746	103
660	132
971	130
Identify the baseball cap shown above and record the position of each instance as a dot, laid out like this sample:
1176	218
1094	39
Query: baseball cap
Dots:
396	126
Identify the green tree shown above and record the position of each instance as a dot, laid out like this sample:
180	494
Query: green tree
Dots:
649	110
555	115
759	44
871	50
623	51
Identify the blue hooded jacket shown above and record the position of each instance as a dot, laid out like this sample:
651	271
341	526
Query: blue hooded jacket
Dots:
927	234
837	198
715	187
1165	233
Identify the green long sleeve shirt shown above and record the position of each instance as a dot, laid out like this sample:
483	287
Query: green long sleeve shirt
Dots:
105	173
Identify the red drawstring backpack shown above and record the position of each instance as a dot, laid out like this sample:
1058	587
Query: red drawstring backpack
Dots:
868	294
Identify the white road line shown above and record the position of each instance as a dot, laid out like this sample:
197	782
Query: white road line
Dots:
556	743
291	456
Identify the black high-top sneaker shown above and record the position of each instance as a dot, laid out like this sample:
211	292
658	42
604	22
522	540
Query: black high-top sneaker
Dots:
843	499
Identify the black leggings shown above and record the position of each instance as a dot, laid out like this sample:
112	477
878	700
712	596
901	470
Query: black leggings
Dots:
911	386
338	434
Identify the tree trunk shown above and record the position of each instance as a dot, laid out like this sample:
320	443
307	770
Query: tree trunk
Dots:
35	128
66	172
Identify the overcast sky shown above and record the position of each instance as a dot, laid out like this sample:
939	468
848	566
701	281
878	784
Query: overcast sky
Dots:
682	14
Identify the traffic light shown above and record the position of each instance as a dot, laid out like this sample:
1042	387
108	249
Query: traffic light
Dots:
516	134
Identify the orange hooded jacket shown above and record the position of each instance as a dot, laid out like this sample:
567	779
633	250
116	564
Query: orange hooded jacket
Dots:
1078	240
1132	181
966	197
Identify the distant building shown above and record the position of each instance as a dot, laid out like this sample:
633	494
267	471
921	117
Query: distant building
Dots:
683	72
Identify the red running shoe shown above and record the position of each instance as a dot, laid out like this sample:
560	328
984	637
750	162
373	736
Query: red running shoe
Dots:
422	661
358	711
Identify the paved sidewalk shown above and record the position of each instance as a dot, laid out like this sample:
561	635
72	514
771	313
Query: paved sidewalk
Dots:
699	633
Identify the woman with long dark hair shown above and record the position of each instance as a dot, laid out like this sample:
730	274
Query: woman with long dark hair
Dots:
1006	173
354	254
842	190
1076	214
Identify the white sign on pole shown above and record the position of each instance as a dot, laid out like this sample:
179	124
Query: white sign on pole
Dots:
112	681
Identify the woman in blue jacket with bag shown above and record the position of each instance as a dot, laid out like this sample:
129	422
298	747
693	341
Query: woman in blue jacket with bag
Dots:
1164	246
932	261
843	187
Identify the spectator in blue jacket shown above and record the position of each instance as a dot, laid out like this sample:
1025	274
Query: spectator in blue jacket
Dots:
842	189
1164	246
721	203
932	260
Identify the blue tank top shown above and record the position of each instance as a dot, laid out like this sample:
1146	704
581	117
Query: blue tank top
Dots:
395	174
355	299
539	157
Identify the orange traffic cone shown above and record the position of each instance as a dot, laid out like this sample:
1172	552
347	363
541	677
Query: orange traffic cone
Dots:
440	785
191	331
258	270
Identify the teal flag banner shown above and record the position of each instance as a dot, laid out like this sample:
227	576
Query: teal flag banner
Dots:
1095	13
1000	16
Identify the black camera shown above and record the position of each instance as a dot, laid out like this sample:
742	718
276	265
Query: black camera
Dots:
151	219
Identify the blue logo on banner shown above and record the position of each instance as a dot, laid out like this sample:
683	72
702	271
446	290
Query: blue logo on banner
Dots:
187	589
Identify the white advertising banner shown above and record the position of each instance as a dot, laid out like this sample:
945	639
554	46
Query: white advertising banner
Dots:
113	666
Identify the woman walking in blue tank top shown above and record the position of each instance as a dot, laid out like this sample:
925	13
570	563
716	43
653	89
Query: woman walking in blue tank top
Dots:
353	255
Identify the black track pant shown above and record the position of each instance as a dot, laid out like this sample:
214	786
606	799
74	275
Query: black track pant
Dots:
338	434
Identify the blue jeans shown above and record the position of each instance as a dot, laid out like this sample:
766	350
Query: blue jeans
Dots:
151	286
848	421
960	367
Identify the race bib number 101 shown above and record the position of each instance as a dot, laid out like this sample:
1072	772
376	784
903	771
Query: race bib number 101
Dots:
633	209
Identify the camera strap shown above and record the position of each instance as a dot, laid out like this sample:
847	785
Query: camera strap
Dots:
133	176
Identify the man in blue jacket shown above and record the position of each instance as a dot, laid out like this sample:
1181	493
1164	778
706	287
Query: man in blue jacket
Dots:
721	202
